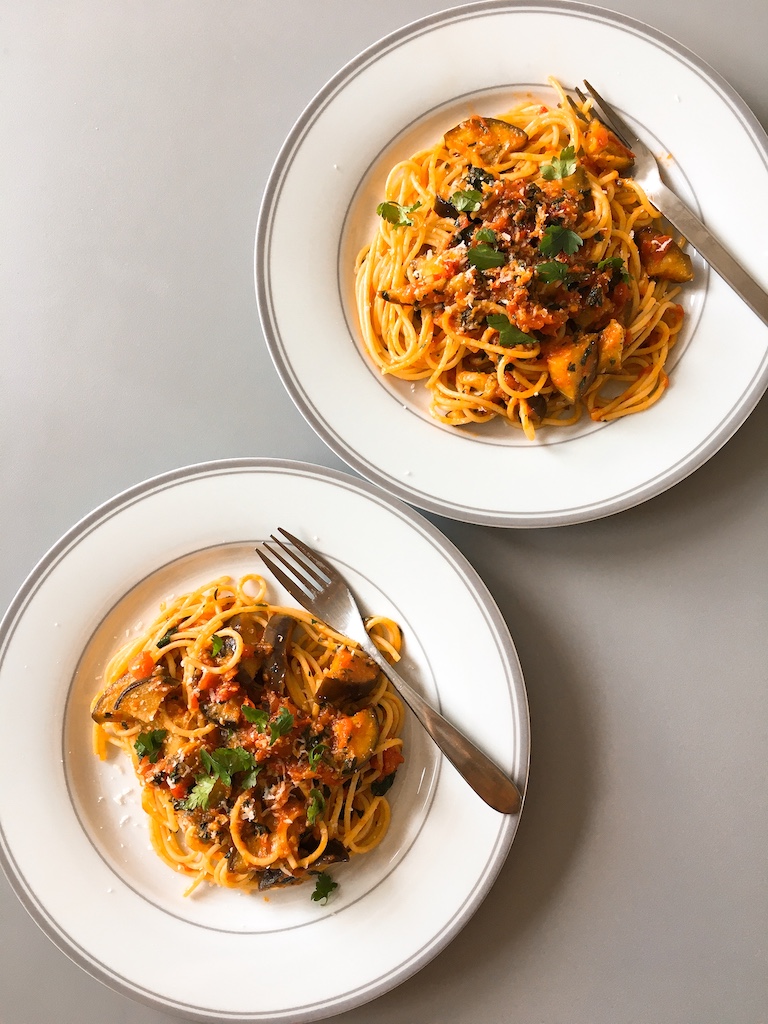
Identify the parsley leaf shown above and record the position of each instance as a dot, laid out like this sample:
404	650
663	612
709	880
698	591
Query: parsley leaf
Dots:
166	639
281	725
467	200
249	780
562	166
324	886
200	793
315	807
396	214
225	761
610	263
381	786
255	716
315	752
477	176
149	744
486	235
509	334
484	257
217	642
559	239
551	272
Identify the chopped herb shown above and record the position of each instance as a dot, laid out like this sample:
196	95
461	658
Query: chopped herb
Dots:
149	744
255	716
166	639
559	239
315	807
217	642
610	263
551	272
324	886
478	176
396	214
281	725
225	761
486	235
381	786
315	752
249	781
562	166
467	200
484	257
200	793
509	334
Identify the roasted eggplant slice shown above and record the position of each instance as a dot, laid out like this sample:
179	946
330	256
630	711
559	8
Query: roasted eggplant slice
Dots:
278	636
274	878
351	676
610	347
572	365
662	257
355	739
489	138
605	149
130	700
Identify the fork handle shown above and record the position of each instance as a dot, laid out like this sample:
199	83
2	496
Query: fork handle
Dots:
700	237
486	778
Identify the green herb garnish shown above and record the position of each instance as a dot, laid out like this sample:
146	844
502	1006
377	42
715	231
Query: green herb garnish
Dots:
552	272
166	639
281	725
484	257
149	744
509	334
467	200
486	235
562	166
224	762
200	793
611	263
324	886
217	642
558	239
315	807
396	213
255	716
315	752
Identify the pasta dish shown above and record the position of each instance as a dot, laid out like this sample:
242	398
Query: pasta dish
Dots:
518	272
264	742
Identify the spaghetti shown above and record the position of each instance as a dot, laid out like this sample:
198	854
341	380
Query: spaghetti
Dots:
264	741
518	273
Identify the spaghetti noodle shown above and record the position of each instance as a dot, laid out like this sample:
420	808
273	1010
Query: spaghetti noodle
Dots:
518	273
264	741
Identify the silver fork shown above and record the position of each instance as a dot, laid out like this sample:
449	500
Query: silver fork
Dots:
646	173
319	588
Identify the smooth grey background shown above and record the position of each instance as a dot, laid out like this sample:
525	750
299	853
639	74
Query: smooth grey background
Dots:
136	140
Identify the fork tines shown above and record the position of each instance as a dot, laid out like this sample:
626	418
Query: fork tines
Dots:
609	116
308	577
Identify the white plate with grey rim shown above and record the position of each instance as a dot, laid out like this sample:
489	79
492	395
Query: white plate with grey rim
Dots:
74	843
319	209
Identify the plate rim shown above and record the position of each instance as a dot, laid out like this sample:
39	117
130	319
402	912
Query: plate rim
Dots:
694	458
54	929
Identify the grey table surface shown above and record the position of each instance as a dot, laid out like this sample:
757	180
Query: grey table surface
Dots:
137	137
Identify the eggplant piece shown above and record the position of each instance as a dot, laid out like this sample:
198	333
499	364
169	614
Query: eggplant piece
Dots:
662	257
356	737
572	365
129	700
278	636
351	676
605	149
537	406
227	714
274	878
445	209
489	137
334	853
610	347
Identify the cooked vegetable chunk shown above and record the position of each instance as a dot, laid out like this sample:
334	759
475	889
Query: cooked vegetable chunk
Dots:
488	137
355	738
605	149
572	365
132	700
662	257
351	676
610	346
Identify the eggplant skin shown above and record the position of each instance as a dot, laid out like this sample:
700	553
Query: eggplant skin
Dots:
129	700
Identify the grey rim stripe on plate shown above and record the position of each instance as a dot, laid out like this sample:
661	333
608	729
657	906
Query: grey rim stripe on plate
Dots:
499	631
342	446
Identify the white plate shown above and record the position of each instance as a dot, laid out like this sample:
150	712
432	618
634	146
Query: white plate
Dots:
319	209
73	839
